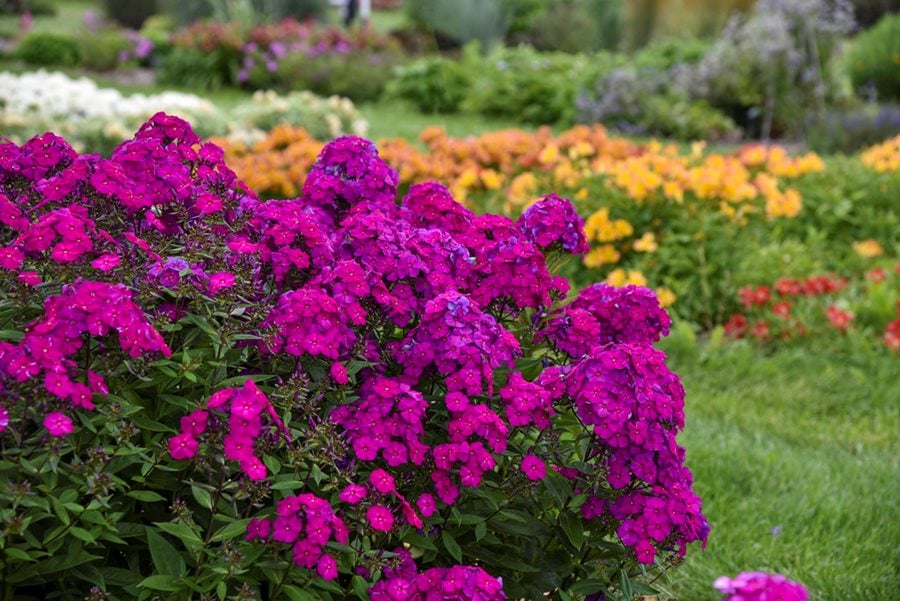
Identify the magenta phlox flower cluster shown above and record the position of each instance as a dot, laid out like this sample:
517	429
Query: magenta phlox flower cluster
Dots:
388	419
430	206
347	172
509	265
553	220
526	402
760	586
250	415
457	583
636	406
460	342
307	523
309	322
602	314
82	308
293	237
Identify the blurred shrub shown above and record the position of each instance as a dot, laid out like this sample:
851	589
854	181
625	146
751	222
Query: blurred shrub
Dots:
868	12
132	13
191	68
249	12
35	7
874	58
642	98
433	85
361	75
100	50
576	26
46	48
770	70
849	130
462	21
534	87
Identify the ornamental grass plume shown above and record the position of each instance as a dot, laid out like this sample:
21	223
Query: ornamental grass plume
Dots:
309	392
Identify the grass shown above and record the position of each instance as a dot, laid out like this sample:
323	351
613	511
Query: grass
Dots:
68	18
396	119
795	455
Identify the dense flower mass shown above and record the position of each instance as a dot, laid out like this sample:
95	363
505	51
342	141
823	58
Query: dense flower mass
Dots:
458	583
344	373
760	586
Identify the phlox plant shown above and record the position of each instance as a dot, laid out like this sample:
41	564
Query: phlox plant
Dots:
340	395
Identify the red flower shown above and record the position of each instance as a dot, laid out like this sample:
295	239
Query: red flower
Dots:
782	310
736	326
839	320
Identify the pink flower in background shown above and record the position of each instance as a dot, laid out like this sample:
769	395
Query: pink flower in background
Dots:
58	424
760	586
4	418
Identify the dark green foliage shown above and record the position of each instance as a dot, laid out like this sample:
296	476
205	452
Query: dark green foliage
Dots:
100	50
433	85
49	49
576	26
34	7
537	88
185	13
360	76
192	68
131	13
874	58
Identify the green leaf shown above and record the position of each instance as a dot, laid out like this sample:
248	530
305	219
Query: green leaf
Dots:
360	587
202	495
233	529
588	587
480	530
452	546
188	537
297	594
166	559
573	527
18	554
159	583
222	590
625	585
82	534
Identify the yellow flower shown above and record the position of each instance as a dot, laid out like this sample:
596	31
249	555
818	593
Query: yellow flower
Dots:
621	277
581	194
646	243
491	179
601	255
665	296
549	155
868	249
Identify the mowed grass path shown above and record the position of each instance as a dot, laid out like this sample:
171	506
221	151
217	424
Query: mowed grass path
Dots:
796	457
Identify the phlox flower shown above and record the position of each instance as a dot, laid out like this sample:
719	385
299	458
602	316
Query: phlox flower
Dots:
534	468
380	518
4	418
352	494
760	586
58	424
183	446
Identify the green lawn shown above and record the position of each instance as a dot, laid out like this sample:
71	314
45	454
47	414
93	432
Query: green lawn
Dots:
795	454
69	18
396	119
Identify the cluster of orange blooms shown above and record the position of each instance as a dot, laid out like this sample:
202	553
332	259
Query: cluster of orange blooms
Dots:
883	157
525	164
